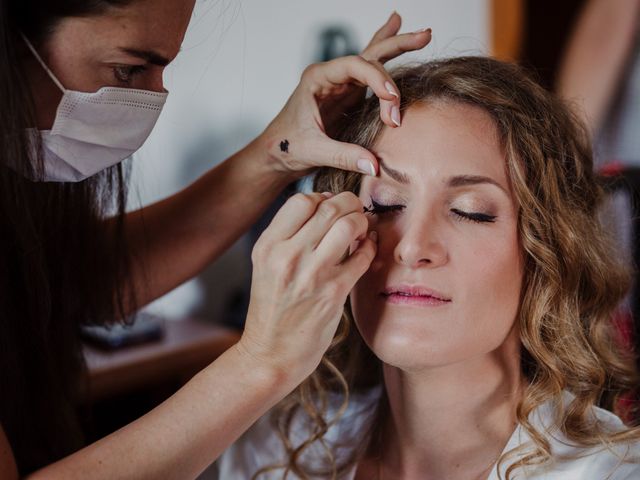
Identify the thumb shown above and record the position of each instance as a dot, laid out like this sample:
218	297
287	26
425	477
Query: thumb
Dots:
326	152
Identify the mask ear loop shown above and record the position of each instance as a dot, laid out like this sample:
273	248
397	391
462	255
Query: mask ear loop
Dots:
41	62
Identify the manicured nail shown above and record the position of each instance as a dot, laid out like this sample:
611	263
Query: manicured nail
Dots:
395	115
373	235
390	89
365	166
327	194
422	30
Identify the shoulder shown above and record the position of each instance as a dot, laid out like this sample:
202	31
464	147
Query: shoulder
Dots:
620	461
261	446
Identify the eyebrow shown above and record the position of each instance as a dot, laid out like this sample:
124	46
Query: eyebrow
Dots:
399	177
149	56
454	182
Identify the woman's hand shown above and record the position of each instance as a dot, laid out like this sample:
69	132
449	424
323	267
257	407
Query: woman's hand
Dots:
301	279
298	139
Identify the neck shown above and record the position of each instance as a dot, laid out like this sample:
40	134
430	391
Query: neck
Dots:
453	421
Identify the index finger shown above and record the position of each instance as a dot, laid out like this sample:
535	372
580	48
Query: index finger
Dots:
296	211
389	48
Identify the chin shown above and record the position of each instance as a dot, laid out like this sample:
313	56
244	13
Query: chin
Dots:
403	348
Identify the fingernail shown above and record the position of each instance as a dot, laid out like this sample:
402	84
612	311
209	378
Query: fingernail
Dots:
327	194
422	30
373	235
395	115
365	166
390	89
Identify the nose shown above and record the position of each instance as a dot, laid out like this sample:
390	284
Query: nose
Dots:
421	245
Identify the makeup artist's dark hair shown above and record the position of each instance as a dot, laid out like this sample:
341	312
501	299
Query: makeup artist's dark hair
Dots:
61	265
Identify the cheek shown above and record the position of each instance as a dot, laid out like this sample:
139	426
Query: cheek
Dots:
490	279
493	272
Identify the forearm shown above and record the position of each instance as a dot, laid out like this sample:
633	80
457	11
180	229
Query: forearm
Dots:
596	55
174	239
186	433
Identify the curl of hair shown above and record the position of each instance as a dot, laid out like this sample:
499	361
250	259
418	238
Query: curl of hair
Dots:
572	281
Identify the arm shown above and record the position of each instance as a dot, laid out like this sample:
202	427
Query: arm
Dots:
596	56
297	298
179	438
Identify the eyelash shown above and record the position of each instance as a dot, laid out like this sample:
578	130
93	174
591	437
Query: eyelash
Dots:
124	74
474	217
379	209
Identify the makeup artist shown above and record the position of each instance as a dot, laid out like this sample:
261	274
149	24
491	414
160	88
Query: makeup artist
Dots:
80	90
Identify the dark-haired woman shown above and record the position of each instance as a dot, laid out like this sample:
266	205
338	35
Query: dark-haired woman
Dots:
80	90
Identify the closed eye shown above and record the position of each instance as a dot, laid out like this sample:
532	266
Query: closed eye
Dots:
474	216
378	209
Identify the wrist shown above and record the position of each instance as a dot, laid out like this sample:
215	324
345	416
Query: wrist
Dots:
274	149
270	375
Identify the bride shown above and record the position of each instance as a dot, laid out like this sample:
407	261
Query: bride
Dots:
482	341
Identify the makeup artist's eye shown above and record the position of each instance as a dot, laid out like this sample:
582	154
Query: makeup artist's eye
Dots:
126	73
378	209
474	216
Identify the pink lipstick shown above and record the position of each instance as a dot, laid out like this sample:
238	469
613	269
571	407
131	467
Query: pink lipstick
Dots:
414	295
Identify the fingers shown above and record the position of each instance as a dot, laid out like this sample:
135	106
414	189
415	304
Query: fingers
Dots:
386	45
338	209
323	78
292	216
324	151
335	244
392	47
360	260
389	29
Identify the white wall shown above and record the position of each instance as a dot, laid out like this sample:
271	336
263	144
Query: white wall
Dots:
239	62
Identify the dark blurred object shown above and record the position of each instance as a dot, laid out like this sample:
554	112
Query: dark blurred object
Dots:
626	180
145	328
335	41
547	26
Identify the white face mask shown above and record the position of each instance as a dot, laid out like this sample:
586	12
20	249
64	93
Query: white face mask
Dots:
94	131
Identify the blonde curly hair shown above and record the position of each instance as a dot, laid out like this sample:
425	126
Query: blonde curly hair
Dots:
572	281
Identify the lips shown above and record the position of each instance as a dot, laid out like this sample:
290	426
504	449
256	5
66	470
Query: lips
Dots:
414	295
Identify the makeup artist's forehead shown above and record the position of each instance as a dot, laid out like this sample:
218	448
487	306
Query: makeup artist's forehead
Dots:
155	26
443	139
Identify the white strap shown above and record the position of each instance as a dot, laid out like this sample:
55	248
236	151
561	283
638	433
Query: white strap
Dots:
44	65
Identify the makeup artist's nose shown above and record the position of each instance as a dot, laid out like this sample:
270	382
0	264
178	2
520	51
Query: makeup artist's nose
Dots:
419	246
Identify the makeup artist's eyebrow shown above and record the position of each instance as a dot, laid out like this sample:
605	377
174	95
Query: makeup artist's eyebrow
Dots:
149	56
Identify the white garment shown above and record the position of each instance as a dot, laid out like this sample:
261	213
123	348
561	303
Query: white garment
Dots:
261	446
